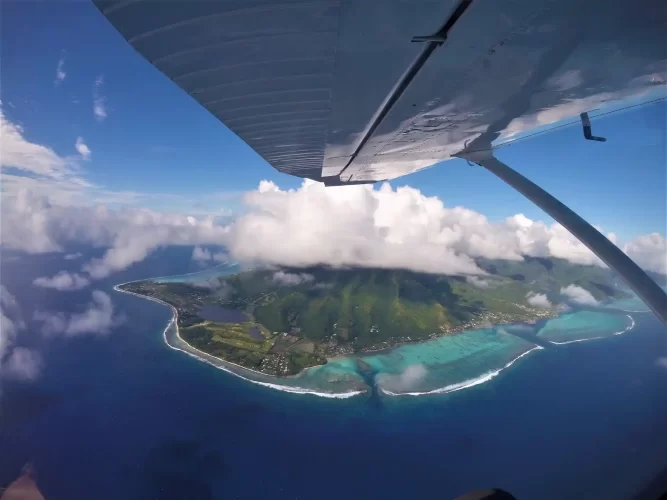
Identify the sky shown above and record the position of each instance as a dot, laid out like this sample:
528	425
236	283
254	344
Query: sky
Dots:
150	137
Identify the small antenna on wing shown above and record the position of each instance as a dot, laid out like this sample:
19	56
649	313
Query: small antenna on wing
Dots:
588	134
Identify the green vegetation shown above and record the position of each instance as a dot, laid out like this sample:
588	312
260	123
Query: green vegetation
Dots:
340	311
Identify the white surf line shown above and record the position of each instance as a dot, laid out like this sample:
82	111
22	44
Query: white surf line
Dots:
202	356
186	274
466	383
630	327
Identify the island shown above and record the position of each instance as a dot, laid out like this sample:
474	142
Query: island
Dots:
280	321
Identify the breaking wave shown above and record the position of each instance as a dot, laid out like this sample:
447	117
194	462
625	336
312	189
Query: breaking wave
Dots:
620	332
466	383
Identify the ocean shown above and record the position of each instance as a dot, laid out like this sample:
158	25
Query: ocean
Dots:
124	416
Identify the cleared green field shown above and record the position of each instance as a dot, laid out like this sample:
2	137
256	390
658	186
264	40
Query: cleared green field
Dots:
233	334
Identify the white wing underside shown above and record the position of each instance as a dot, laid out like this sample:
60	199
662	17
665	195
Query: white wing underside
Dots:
301	81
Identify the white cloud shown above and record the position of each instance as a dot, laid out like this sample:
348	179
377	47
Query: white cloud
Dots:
350	226
649	251
403	381
99	100
662	362
28	157
98	318
292	279
401	228
73	256
22	363
478	282
202	255
15	361
579	295
63	281
539	300
82	148
33	224
60	71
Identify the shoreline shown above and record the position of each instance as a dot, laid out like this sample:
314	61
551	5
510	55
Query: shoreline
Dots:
203	356
231	368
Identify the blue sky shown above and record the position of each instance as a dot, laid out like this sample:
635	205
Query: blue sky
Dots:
156	139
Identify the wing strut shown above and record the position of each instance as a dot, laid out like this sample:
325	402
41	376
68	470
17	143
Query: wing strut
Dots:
634	276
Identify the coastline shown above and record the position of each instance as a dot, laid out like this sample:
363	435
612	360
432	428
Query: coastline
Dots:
204	357
234	369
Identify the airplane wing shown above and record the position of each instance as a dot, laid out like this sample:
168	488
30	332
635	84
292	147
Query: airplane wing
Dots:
364	91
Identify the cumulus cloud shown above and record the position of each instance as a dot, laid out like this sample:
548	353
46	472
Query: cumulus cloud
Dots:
99	100
60	71
478	282
401	228
98	318
649	251
63	281
539	300
15	361
35	225
82	148
291	279
350	226
202	255
404	381
578	295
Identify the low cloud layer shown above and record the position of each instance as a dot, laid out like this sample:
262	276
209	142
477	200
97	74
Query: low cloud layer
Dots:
292	279
539	300
578	295
404	381
97	318
35	225
15	361
478	282
649	251
63	281
401	228
351	226
202	255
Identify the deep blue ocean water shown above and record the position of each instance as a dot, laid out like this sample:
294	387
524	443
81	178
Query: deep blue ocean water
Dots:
124	416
